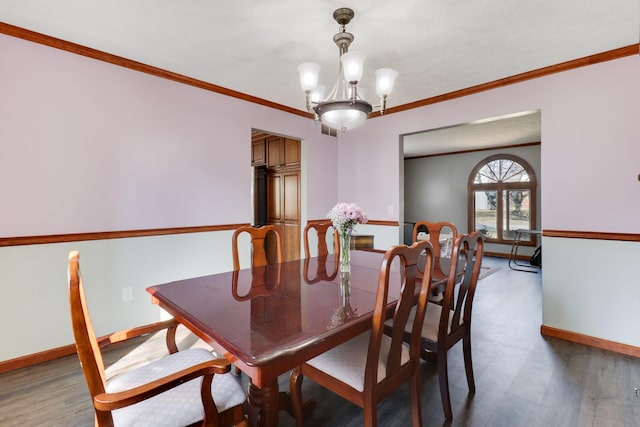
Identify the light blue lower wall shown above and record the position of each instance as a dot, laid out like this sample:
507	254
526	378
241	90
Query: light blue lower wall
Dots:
592	287
35	309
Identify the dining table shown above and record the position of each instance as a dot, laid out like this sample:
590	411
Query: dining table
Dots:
268	320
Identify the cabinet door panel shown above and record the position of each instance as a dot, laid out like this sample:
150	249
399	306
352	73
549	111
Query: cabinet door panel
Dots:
274	197
275	153
291	152
258	153
291	241
291	194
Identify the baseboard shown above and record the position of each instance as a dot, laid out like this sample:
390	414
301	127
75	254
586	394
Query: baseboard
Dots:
35	358
616	347
519	257
67	350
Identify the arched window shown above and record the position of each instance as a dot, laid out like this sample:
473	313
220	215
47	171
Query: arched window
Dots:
502	198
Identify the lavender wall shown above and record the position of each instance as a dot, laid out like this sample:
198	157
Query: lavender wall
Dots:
88	146
590	147
589	168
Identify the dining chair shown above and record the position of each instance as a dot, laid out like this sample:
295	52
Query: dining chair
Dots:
446	324
177	390
436	232
367	368
259	236
321	229
322	272
259	255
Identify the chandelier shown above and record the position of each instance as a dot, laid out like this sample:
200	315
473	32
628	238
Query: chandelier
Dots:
343	108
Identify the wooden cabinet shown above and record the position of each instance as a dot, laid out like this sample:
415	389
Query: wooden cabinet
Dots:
291	199
283	196
291	152
291	241
274	197
276	162
258	152
282	152
283	208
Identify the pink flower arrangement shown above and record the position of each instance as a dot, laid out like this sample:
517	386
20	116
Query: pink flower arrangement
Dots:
345	216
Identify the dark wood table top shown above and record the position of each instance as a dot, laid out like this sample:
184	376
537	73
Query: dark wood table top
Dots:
267	313
268	320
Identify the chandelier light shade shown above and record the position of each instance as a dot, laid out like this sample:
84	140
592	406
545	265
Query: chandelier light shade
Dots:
308	75
343	108
352	65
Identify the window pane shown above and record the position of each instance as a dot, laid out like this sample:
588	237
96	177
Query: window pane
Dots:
501	170
487	174
486	219
517	213
513	172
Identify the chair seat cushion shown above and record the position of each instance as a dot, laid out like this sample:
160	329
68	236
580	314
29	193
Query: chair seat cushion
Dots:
181	405
347	361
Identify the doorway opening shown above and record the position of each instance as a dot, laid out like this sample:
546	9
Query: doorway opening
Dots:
276	165
436	165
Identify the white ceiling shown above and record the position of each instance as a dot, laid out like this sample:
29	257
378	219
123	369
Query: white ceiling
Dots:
254	46
515	129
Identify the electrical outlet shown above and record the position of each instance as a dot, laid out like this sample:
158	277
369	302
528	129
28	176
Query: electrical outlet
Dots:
390	209
127	294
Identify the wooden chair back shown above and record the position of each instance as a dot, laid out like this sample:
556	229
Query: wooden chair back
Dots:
321	273
88	347
450	322
259	238
385	344
412	286
86	342
321	229
466	259
435	230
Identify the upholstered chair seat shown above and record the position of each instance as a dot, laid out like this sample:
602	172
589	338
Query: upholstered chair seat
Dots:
347	362
180	406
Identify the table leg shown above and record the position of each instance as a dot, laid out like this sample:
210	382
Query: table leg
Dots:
263	405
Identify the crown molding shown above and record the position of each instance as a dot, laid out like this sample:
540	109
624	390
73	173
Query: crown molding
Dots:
46	40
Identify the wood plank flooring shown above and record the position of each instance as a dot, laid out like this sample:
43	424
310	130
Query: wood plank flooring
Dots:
522	378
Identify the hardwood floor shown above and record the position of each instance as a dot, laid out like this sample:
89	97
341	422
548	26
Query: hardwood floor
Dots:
522	378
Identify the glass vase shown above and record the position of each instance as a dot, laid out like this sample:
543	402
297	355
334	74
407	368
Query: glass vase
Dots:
345	289
345	252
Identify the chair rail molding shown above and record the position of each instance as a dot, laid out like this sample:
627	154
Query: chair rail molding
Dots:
105	235
594	235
